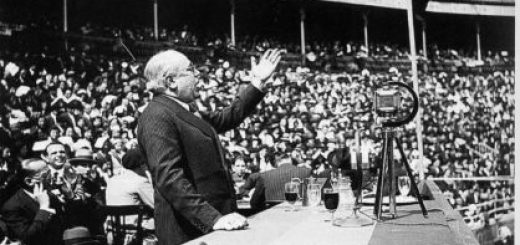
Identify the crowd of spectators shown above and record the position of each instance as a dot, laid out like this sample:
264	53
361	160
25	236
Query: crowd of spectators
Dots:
315	50
89	101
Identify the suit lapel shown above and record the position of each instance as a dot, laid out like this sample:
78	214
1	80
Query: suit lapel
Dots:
184	115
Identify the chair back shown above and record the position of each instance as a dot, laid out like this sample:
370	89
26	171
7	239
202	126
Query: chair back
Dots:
3	229
120	229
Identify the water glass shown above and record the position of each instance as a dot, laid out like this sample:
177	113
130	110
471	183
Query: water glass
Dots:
292	192
314	194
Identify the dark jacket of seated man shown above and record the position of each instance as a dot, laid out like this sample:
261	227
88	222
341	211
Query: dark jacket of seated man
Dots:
28	214
270	185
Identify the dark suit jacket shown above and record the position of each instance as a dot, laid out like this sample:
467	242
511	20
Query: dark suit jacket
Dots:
275	179
76	190
27	222
254	181
74	198
270	185
193	187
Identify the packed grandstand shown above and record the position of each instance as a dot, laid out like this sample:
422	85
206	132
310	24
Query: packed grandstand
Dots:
86	90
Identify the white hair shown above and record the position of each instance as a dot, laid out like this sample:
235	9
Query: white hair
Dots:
161	65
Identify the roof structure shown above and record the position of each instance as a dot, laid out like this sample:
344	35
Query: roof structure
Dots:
505	8
461	7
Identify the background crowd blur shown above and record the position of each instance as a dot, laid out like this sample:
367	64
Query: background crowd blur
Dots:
87	99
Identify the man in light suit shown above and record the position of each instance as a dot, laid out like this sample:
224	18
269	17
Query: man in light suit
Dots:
193	188
132	186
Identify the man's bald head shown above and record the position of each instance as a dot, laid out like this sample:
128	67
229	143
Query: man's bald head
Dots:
33	168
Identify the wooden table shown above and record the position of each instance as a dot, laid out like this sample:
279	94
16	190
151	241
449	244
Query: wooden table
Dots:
276	226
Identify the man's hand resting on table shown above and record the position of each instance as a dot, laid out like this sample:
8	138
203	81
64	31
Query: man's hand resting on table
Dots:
232	221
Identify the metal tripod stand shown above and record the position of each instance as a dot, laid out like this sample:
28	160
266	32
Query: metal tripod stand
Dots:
388	135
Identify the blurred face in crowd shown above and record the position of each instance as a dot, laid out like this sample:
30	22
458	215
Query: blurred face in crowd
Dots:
41	122
116	133
68	93
240	166
228	74
69	132
88	134
80	123
54	134
56	155
76	111
6	152
97	122
90	86
118	145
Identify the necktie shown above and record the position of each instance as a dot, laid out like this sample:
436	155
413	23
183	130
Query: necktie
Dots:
193	109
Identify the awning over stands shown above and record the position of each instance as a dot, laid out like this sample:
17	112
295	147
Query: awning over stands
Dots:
394	4
490	8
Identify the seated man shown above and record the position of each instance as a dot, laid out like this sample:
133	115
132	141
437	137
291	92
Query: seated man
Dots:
270	185
28	214
132	186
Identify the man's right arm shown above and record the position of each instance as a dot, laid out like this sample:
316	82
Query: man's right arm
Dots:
160	141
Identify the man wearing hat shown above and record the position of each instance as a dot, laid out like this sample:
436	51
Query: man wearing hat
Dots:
79	236
29	214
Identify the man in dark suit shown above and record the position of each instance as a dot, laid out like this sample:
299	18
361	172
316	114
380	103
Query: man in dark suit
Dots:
193	188
270	185
28	214
63	181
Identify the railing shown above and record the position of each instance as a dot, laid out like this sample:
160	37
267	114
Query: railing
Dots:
486	178
487	203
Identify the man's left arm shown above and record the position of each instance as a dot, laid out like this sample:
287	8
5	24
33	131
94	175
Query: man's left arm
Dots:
247	99
231	116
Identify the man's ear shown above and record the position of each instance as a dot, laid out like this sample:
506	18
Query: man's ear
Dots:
44	157
27	181
171	84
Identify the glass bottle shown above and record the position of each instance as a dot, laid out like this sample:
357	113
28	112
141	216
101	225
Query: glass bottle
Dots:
345	210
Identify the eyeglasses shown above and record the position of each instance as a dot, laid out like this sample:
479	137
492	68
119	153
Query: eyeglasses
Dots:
190	71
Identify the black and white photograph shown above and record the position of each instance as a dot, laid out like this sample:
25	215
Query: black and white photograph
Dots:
258	122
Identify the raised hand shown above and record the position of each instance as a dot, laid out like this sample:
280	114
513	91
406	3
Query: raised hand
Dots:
66	188
41	196
4	242
265	67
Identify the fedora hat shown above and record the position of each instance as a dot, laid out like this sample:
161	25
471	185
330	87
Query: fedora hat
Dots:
82	156
78	236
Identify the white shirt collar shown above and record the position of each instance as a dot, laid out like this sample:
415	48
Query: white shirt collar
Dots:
59	171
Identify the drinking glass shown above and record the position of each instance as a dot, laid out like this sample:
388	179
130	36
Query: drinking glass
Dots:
331	200
292	190
403	183
314	194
